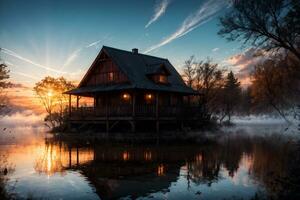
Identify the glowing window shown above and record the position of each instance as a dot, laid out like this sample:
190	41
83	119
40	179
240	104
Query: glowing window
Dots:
149	96
126	96
110	76
162	79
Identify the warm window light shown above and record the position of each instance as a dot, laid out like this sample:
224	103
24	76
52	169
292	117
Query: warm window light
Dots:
110	76
149	96
126	96
148	155
162	79
161	170
126	155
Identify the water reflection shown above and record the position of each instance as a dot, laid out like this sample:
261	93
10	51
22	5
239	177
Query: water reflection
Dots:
57	157
232	167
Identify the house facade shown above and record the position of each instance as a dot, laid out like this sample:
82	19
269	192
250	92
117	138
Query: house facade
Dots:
132	87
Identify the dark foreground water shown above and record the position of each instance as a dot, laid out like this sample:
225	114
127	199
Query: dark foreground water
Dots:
234	166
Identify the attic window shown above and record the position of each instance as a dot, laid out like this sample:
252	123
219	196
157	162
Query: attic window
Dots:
110	76
162	78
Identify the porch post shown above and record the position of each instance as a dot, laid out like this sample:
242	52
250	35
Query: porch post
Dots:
156	112
69	105
133	111
106	113
133	104
77	102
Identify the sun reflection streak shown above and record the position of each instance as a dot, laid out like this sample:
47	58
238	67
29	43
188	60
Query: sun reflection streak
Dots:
56	158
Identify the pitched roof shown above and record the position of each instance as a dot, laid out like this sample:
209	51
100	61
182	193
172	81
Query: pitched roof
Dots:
136	67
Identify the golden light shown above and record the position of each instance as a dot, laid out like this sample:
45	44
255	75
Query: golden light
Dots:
149	96
148	156
161	170
126	155
126	96
49	94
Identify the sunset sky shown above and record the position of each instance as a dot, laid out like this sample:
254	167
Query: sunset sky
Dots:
62	38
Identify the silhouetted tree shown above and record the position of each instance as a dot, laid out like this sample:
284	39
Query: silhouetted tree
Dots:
270	24
231	96
208	81
274	84
4	76
50	92
245	105
189	71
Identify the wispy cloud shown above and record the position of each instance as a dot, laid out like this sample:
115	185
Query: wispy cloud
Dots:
160	9
72	57
76	53
93	44
215	49
14	54
205	13
20	73
25	75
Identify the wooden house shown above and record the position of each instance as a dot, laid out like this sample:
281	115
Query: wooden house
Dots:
132	87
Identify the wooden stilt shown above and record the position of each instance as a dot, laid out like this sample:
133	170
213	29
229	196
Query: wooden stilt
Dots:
77	102
107	126
70	157
133	126
133	114
77	156
70	105
156	112
106	113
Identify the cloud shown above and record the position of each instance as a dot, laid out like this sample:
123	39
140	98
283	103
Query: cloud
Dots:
20	73
72	57
245	62
24	118
14	54
93	44
204	14
215	49
76	53
160	9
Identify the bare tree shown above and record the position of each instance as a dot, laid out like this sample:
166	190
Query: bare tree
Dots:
274	84
4	76
208	81
189	71
50	92
270	24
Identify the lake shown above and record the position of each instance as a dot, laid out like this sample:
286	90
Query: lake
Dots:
235	165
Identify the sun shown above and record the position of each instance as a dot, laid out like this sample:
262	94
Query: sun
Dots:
50	93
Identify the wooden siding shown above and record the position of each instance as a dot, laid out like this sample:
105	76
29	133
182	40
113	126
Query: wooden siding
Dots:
105	72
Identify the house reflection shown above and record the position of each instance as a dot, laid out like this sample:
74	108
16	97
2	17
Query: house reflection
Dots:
117	170
57	157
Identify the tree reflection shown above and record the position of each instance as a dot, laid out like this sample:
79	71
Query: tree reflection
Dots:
6	168
57	157
118	170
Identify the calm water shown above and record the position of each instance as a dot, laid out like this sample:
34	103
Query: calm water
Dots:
235	166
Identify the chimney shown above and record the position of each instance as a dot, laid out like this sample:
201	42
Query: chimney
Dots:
135	51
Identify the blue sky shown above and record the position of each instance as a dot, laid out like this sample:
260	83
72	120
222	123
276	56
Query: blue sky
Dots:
62	38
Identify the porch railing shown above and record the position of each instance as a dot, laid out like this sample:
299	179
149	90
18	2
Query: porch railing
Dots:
140	111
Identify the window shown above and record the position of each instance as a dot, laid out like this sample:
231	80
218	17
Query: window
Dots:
162	79
110	76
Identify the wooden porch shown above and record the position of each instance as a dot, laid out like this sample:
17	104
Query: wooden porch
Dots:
141	112
130	108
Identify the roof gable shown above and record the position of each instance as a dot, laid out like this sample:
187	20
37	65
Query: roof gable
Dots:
100	70
136	67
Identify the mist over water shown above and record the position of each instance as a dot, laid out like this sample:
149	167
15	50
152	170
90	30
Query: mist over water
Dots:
235	165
